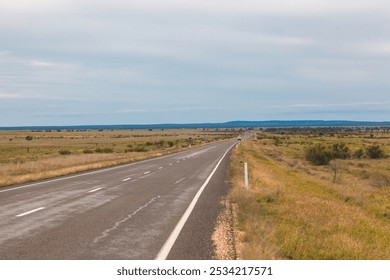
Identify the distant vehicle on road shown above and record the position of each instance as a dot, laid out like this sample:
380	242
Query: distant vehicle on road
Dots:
239	138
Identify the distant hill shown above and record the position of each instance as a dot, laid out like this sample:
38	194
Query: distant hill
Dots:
304	123
232	124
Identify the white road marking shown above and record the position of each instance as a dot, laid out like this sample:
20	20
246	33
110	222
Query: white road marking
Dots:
171	164
95	190
147	172
161	167
117	224
166	248
30	212
179	181
127	179
178	161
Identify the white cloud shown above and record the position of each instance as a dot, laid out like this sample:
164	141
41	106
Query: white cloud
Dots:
343	71
365	104
29	7
4	95
335	74
176	109
280	7
377	48
41	63
12	59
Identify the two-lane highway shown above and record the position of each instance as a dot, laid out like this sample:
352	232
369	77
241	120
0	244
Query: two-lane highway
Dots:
159	208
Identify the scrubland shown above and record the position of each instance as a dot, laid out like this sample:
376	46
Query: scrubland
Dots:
34	155
297	210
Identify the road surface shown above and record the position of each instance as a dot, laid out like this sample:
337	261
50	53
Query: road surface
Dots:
163	208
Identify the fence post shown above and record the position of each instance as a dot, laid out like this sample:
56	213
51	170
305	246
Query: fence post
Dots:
246	176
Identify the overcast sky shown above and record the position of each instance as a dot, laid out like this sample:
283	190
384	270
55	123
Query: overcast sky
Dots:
69	62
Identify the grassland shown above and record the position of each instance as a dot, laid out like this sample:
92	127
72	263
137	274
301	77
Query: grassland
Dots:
296	210
34	155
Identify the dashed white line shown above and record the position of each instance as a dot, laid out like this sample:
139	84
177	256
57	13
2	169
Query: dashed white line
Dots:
179	181
178	161
95	190
171	164
30	212
147	172
126	179
161	167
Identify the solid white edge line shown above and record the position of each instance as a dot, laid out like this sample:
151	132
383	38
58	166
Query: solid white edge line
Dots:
167	247
30	212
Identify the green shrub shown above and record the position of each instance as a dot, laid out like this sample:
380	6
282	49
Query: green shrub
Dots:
87	151
375	152
358	153
318	154
104	150
340	150
140	149
65	152
159	144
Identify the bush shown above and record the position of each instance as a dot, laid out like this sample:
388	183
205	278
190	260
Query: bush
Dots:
159	144
375	152
171	144
358	153
139	149
136	149
29	138
318	154
65	152
104	150
87	151
341	151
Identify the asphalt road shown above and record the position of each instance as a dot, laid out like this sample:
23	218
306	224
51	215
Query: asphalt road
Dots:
164	208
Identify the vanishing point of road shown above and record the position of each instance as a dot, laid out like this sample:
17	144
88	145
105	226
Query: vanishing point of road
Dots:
161	208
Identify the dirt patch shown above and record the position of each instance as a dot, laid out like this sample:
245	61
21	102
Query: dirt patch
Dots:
224	234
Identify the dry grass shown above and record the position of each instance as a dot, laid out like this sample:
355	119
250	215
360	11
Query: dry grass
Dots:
40	158
293	209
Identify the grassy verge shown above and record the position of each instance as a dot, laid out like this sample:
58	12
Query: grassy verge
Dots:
294	210
34	155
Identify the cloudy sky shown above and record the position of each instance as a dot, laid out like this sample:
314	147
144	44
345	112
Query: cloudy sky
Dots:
68	62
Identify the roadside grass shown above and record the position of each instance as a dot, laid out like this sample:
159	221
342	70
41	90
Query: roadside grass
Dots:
293	209
49	154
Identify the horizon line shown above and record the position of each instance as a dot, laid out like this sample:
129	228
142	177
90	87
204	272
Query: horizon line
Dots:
201	125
